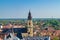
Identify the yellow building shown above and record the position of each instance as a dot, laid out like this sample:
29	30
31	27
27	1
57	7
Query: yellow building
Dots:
30	25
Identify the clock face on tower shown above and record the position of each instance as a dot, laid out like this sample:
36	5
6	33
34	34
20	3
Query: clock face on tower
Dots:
29	23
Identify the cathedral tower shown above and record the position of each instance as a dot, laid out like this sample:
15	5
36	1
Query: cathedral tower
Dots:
30	25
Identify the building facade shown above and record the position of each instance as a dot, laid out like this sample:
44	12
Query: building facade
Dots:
30	25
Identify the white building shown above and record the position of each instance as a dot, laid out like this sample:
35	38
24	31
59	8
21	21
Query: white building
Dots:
11	37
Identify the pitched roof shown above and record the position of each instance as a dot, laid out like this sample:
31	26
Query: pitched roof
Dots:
15	30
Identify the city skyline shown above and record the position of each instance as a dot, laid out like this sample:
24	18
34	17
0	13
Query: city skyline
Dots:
38	8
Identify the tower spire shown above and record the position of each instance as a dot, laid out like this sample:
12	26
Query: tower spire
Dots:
29	16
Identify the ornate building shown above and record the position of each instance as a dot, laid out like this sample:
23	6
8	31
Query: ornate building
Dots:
30	25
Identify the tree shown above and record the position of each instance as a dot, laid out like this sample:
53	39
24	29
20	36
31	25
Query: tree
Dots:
55	38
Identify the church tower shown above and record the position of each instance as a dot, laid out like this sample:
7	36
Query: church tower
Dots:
30	25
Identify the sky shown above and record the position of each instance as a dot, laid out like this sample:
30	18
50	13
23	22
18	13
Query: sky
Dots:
38	8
